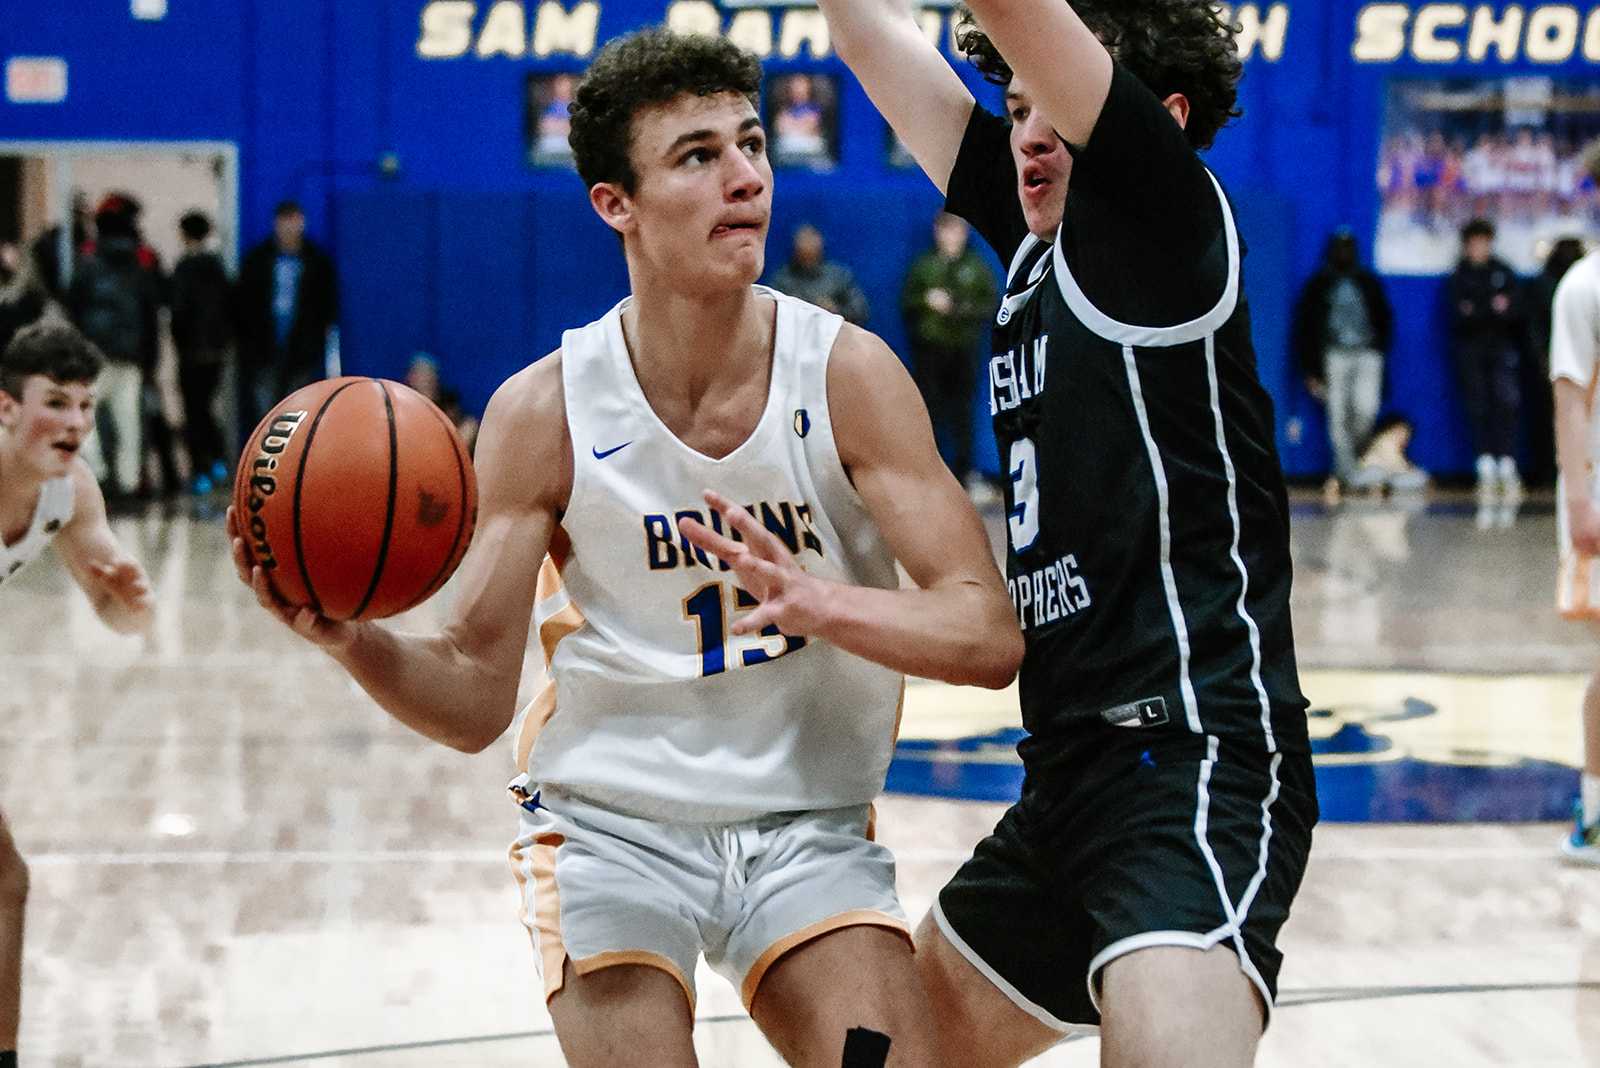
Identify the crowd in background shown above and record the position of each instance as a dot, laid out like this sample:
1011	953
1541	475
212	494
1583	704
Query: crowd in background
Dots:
1500	338
273	324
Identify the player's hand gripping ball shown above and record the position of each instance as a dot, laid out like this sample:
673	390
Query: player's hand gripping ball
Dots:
356	498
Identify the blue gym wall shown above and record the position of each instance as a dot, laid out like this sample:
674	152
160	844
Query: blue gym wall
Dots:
413	169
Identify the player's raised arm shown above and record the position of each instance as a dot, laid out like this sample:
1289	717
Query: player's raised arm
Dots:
906	77
958	625
111	578
459	686
1066	68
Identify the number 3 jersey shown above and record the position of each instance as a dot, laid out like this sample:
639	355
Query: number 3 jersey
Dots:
1148	525
653	705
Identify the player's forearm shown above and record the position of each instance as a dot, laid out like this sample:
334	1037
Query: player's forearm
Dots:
856	27
1572	439
962	633
428	684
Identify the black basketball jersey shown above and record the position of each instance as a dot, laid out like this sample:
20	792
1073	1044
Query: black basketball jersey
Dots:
1148	527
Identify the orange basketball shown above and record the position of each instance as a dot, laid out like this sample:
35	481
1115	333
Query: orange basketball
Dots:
356	497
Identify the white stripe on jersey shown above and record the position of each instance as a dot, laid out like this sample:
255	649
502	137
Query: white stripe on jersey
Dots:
657	709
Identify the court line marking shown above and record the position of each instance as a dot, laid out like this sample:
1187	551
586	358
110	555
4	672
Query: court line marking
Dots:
497	858
1288	999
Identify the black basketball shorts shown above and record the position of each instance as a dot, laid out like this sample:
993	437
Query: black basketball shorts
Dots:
1132	841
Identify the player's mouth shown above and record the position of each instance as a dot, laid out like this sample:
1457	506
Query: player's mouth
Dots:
1035	182
733	227
65	449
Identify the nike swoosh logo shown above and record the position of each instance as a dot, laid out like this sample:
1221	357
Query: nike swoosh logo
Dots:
598	455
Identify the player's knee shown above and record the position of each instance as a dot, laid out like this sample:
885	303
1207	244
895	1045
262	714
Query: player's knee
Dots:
13	878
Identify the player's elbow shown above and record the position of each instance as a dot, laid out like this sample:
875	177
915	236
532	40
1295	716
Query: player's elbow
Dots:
480	733
1004	659
993	657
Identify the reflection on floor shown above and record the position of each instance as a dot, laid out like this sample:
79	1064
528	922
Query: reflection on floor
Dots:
1390	746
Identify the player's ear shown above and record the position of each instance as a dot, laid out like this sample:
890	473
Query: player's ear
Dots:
1177	106
9	407
614	206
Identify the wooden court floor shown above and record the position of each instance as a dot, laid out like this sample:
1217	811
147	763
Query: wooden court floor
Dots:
238	860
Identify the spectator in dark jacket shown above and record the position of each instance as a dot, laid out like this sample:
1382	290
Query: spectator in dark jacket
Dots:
948	294
1537	400
288	301
1343	329
813	278
1487	313
23	296
202	329
115	301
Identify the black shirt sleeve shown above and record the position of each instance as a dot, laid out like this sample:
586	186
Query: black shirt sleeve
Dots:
1144	233
983	184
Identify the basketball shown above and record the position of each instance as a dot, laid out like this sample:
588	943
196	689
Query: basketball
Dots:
356	497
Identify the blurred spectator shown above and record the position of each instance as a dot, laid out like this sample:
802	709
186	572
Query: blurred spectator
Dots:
155	431
202	329
1343	328
811	277
115	302
288	301
23	296
1486	312
946	299
1538	402
1384	464
47	247
423	376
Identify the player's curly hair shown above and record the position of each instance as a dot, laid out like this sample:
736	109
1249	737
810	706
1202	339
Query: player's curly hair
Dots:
640	70
1172	46
52	347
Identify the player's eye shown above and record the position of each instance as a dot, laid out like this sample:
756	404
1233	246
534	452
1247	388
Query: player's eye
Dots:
1019	114
754	146
696	155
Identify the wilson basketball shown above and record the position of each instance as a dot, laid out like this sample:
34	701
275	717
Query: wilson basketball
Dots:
356	497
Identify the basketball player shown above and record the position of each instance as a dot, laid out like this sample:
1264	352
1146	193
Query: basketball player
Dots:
47	376
1574	354
725	680
1168	802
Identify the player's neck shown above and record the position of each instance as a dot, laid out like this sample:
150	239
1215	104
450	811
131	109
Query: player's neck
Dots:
698	340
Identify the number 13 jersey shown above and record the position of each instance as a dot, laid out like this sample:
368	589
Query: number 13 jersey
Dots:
653	706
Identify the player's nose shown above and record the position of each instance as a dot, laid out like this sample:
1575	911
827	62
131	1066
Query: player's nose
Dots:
743	178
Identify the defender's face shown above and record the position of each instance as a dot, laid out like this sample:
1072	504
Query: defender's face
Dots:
703	200
1043	163
49	423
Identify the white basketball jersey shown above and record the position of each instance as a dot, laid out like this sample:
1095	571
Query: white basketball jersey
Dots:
653	706
53	512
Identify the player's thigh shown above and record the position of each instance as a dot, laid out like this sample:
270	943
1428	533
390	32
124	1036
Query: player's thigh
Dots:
1216	1023
821	943
860	977
977	1024
607	892
623	1016
1006	948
